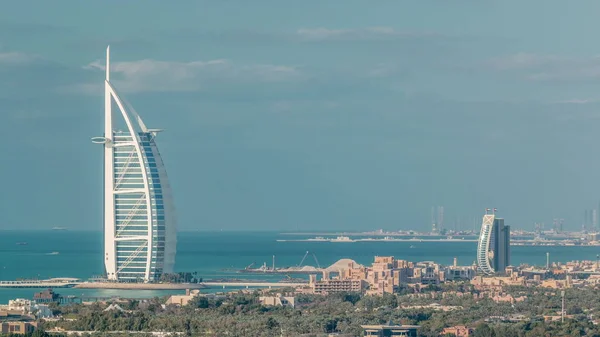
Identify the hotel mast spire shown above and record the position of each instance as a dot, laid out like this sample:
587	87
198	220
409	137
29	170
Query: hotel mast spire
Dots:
108	63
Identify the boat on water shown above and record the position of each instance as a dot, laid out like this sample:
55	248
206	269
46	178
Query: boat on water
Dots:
411	246
318	238
59	229
53	253
342	239
22	243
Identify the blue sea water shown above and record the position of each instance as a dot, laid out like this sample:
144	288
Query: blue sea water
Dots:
217	255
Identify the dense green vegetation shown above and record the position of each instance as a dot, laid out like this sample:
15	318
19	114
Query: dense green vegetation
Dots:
181	277
241	315
37	333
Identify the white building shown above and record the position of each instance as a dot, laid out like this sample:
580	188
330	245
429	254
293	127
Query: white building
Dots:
493	248
28	307
139	220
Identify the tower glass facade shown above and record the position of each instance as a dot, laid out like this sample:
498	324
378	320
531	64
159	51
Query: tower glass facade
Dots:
139	223
493	248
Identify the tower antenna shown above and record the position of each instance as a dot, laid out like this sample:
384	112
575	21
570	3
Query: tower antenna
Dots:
108	63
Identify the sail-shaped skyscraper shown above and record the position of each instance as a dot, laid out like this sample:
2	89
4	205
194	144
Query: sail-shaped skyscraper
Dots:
493	248
139	220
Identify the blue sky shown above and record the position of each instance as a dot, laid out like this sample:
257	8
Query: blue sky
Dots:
308	115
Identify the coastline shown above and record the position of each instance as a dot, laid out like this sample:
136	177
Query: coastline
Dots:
139	286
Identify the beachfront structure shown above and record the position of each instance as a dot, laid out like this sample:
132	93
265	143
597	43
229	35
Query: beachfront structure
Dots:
391	330
493	248
139	224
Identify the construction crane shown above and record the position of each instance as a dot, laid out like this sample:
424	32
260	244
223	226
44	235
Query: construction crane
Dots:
317	261
303	258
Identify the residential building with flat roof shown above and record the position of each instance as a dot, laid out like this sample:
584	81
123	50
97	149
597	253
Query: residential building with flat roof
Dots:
391	330
328	286
17	327
278	300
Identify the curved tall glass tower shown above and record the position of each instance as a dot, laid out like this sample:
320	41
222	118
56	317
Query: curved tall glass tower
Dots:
493	248
139	224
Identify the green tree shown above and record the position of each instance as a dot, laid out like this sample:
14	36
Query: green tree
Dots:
484	330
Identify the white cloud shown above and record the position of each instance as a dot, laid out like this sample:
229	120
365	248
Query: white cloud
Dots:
522	61
29	114
383	70
12	58
370	33
568	72
576	101
540	67
152	75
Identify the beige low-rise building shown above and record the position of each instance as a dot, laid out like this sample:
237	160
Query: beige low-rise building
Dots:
458	331
17	327
390	329
278	300
483	282
329	286
183	300
507	298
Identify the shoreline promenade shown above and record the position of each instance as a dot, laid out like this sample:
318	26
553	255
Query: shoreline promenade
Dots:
77	284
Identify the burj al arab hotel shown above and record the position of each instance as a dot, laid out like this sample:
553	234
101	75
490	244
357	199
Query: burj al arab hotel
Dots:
139	221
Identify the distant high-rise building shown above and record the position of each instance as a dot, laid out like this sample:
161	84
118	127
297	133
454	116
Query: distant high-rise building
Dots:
598	223
594	220
440	218
561	223
590	219
493	249
139	224
557	225
433	220
437	219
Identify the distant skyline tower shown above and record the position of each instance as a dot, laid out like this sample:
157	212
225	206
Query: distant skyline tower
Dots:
561	223
440	218
594	220
433	220
139	224
493	248
597	224
437	219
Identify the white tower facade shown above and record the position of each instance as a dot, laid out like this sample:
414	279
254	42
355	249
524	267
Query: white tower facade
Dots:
484	253
139	216
493	247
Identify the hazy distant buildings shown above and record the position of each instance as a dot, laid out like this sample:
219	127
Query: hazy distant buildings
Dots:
437	219
139	224
590	220
557	225
493	249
